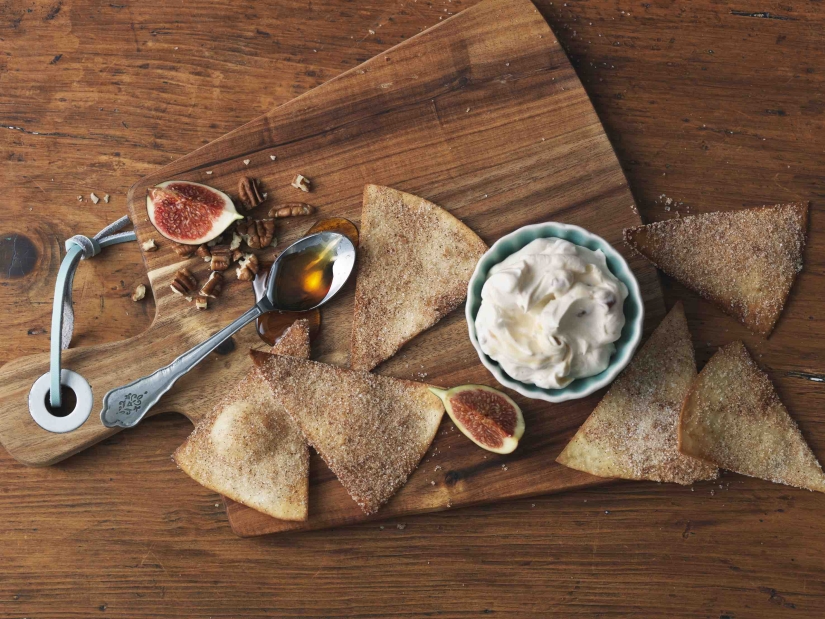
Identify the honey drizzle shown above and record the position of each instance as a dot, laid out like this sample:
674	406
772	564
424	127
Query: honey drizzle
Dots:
272	325
336	224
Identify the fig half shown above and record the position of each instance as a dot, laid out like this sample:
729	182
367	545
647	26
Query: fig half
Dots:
189	213
488	417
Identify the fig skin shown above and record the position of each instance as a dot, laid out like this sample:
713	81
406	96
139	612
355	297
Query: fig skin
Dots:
219	222
509	441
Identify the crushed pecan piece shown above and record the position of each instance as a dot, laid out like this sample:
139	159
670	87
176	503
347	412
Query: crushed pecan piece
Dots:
213	286
237	254
250	192
216	241
203	252
291	209
302	182
139	293
236	241
201	303
184	283
149	245
258	233
247	268
184	251
220	258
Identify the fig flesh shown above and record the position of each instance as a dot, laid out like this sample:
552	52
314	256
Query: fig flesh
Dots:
189	213
488	417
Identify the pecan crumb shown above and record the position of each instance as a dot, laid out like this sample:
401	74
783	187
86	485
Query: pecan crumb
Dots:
201	303
291	209
236	241
94	198
203	252
139	293
302	182
149	246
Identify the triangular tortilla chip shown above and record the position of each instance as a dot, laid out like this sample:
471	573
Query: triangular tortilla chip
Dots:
249	449
733	418
371	430
743	261
632	433
414	263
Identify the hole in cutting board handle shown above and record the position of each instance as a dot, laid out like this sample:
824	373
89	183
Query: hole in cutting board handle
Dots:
76	407
68	402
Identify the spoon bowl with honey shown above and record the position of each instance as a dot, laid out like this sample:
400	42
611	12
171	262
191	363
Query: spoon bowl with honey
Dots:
306	275
310	272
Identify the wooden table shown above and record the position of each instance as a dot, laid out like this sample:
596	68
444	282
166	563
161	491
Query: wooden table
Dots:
708	103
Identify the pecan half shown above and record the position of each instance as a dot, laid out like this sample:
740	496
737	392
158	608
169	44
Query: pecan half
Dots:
247	268
249	192
184	251
221	258
258	233
291	209
213	286
184	283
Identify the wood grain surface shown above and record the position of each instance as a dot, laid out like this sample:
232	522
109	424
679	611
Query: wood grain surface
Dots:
711	104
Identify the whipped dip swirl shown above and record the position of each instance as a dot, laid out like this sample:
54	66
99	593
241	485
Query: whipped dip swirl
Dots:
550	313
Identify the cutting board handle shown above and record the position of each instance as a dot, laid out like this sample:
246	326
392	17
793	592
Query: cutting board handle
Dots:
108	366
24	438
21	435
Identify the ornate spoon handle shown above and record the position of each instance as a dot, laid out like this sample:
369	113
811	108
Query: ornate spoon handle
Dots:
126	406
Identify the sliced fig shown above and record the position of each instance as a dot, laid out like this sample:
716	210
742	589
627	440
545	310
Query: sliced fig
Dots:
189	213
488	417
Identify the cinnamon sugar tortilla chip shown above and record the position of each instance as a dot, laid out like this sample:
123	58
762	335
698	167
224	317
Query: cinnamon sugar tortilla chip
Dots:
632	433
733	418
414	264
249	449
745	261
372	431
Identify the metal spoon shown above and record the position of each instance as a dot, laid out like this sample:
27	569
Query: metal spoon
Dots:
126	406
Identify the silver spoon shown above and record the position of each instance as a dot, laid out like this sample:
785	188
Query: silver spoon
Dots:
126	406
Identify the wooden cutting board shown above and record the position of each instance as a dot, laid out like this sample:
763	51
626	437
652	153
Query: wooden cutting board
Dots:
483	115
